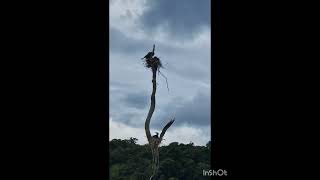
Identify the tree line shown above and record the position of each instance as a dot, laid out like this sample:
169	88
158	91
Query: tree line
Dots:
131	161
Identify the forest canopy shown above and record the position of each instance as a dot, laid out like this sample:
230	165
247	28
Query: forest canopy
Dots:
131	161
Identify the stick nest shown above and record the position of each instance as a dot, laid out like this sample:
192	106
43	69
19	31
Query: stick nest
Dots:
154	63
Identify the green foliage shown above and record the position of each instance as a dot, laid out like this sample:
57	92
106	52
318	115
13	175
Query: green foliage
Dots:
131	161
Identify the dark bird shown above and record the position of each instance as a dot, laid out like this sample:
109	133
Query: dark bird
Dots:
156	136
150	54
155	58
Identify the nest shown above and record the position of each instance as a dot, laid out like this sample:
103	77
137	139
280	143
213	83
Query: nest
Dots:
154	63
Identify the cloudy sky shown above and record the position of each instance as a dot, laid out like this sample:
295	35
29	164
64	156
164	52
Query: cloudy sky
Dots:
180	29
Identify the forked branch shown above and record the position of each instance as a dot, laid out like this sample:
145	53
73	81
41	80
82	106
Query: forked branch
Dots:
154	63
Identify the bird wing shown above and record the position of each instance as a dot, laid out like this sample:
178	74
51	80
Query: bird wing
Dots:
147	55
166	127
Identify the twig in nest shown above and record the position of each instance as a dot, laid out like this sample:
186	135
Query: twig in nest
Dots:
153	62
165	78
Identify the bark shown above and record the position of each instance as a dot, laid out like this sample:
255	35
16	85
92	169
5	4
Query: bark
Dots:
154	142
153	104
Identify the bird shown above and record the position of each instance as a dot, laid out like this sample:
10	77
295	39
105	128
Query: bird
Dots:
156	58
156	136
150	54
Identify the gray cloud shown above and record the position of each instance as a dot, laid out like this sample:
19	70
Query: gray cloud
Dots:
195	112
187	66
120	43
193	70
181	18
188	63
126	106
127	15
130	116
137	100
131	108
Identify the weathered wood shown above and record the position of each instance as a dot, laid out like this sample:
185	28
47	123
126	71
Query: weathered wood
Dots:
152	106
154	142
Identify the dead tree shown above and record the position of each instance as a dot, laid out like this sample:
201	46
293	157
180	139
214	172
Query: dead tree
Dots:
154	64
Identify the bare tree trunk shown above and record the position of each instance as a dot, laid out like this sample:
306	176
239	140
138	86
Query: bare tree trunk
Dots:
151	140
154	142
153	104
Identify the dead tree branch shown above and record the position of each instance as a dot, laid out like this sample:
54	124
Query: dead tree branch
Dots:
154	63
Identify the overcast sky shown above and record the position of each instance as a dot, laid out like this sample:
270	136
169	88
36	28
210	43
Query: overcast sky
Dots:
180	29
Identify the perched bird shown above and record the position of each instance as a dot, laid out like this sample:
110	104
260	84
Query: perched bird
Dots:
155	58
156	136
150	54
